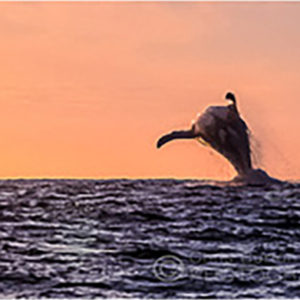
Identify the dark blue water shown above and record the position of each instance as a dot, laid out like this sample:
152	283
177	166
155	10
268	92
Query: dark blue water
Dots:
148	238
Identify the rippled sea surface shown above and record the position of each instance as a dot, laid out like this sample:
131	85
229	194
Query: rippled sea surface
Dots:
148	238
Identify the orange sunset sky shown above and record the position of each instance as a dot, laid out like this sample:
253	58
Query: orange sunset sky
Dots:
86	89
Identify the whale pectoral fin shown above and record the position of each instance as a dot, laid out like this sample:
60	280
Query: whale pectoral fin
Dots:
164	139
183	134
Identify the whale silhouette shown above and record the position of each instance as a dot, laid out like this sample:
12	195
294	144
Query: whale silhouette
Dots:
223	129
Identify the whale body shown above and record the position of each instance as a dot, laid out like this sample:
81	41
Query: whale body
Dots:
223	129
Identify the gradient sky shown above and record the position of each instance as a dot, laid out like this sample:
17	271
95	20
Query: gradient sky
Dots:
87	88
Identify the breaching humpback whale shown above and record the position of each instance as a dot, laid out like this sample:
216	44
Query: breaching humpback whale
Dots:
223	129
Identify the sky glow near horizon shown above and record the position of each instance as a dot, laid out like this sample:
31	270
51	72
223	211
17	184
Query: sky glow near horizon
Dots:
86	89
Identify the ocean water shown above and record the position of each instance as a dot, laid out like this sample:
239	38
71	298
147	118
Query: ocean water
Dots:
148	238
